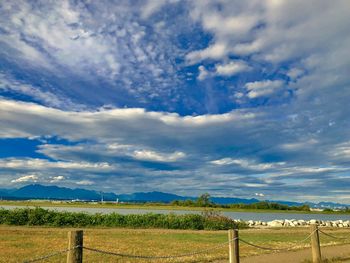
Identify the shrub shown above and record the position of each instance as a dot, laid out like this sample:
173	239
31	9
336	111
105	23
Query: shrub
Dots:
43	217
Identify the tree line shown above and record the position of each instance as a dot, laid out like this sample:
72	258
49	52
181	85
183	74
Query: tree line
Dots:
204	201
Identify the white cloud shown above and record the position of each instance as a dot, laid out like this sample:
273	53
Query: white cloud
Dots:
85	182
215	51
248	164
22	119
56	179
341	151
228	24
31	163
8	83
248	135
253	185
295	73
238	95
259	194
231	68
63	152
263	88
300	145
203	73
300	171
26	178
227	69
312	34
150	7
72	47
160	157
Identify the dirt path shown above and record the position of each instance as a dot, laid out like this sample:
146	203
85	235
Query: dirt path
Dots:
342	251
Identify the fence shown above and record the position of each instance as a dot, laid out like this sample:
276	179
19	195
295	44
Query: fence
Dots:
76	247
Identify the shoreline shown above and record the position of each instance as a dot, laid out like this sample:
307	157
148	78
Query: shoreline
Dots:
237	219
156	207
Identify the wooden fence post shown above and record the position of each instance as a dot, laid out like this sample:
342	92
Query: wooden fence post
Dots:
75	240
233	246
315	244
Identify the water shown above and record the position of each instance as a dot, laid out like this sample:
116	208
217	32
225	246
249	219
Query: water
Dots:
266	216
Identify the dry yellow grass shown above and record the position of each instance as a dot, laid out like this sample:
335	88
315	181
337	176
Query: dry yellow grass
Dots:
22	243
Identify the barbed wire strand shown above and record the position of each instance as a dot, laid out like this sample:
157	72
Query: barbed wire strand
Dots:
50	255
203	251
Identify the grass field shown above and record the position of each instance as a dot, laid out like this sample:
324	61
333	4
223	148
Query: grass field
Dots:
22	243
151	206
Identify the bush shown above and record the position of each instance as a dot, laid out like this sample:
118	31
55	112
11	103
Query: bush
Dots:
43	217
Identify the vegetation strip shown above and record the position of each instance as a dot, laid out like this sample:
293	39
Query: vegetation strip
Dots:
43	217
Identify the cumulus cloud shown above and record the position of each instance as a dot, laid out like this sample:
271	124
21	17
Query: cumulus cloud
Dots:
248	164
150	7
295	146
126	138
85	182
268	27
110	151
279	42
231	68
31	163
154	156
215	51
295	73
26	178
203	73
262	88
57	179
79	125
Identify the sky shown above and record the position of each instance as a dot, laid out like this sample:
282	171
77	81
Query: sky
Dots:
234	98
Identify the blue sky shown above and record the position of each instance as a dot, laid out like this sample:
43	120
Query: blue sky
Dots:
234	98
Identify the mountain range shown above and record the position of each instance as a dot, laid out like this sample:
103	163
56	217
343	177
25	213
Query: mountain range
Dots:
37	191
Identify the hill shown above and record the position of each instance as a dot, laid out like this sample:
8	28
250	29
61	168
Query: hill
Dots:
37	191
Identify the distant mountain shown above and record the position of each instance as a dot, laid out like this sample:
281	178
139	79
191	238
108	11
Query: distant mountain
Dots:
152	197
37	191
5	193
290	203
232	200
167	198
330	204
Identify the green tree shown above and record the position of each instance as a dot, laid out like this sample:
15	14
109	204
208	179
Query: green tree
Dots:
204	200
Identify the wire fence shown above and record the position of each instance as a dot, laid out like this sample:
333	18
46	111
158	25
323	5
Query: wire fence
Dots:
193	253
